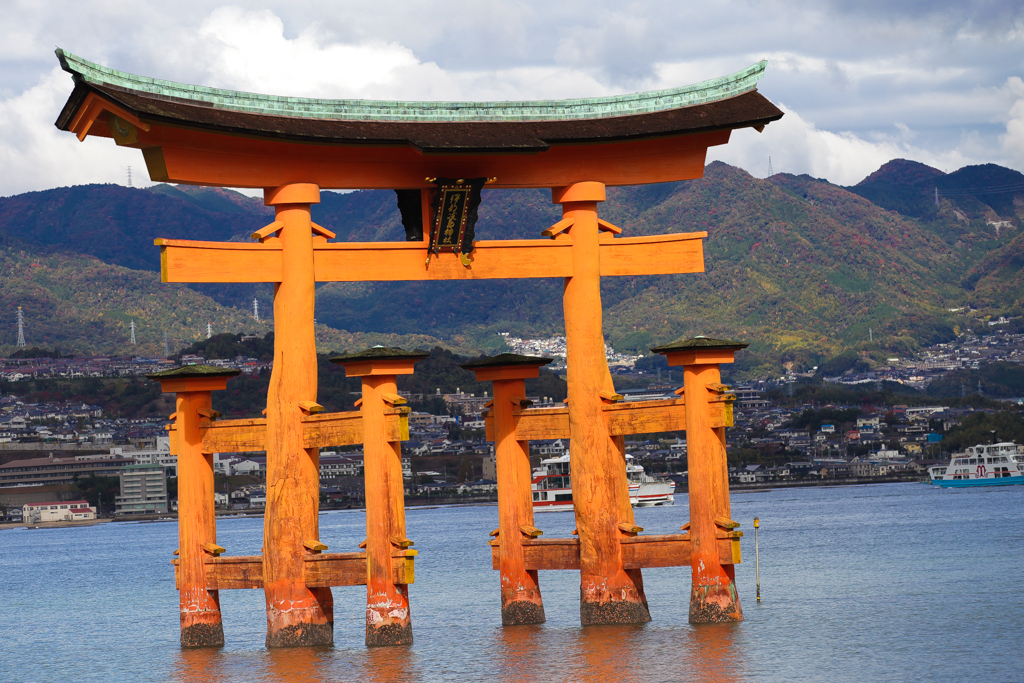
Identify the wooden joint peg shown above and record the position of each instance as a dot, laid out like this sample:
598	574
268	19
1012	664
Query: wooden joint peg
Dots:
495	533
209	414
310	407
267	231
321	231
393	399
172	416
679	391
363	544
213	549
176	551
685	527
575	532
521	401
359	402
717	388
400	542
314	546
605	226
559	227
530	531
609	396
630	529
726	523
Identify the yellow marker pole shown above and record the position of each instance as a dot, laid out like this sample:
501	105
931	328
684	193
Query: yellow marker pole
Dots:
757	558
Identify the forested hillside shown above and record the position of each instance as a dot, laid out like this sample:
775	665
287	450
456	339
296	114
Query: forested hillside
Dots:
800	267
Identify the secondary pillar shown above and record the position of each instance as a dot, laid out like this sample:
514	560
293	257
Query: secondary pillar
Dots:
713	597
521	601
609	593
388	618
296	615
199	608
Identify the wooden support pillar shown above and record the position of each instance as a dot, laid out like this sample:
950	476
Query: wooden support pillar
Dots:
713	597
521	601
296	615
197	526
609	593
388	618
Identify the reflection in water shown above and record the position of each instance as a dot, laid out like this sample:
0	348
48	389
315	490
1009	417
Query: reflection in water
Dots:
297	664
710	654
388	665
202	665
604	653
518	648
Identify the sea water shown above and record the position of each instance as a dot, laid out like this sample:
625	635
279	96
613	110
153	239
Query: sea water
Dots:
896	582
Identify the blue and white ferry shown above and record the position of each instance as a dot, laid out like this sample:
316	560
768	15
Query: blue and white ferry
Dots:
995	464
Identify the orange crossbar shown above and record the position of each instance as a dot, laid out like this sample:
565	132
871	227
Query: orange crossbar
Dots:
195	261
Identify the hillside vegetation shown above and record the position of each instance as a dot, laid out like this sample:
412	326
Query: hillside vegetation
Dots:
803	269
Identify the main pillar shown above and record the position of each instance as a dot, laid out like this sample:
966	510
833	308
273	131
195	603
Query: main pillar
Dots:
199	608
388	618
296	615
713	597
521	601
609	593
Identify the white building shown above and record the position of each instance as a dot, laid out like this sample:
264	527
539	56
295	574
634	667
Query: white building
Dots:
57	511
161	455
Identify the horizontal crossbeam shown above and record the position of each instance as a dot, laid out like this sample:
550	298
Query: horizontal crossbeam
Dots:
636	417
322	570
318	431
638	552
193	261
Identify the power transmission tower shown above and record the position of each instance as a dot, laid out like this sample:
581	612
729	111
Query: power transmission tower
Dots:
209	330
256	309
21	327
770	173
132	327
129	176
936	196
871	335
167	351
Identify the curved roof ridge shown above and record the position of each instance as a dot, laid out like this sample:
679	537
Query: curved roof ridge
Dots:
720	88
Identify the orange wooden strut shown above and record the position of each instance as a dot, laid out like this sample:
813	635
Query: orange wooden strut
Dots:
521	601
713	596
201	624
609	593
388	617
296	615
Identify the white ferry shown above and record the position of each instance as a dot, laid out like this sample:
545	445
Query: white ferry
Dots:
552	487
996	464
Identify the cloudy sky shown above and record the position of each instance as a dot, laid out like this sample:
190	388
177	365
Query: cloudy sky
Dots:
862	82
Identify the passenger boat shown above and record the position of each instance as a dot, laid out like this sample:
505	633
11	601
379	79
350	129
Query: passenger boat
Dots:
552	486
996	464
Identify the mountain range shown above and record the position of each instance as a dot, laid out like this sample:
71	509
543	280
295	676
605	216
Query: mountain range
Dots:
804	269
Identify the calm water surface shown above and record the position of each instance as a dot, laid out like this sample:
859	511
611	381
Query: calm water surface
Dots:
898	582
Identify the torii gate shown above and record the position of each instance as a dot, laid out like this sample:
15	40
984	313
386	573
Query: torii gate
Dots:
294	147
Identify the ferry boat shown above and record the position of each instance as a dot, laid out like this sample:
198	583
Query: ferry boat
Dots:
552	486
996	464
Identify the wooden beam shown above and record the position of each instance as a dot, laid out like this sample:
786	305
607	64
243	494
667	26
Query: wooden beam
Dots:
194	261
322	570
637	417
638	552
319	431
196	157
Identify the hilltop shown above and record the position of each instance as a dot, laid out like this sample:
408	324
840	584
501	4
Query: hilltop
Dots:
799	266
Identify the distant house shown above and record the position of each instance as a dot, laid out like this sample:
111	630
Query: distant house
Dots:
57	511
828	429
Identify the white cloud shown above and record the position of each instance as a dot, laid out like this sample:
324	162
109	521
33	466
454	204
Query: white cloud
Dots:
34	155
797	146
865	82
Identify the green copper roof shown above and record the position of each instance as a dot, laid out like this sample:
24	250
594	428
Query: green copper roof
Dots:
505	360
700	343
191	371
379	353
384	110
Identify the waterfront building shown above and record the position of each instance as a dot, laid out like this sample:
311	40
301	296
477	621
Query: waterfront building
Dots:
143	490
57	511
65	470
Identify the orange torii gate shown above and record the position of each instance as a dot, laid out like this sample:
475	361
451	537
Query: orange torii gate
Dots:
437	154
